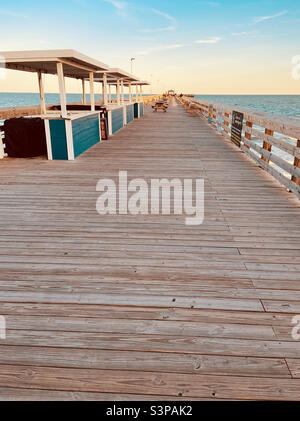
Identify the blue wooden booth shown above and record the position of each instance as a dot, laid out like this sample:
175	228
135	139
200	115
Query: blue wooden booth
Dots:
70	131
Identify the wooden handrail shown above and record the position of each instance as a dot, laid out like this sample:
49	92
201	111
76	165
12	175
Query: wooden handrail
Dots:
261	133
27	110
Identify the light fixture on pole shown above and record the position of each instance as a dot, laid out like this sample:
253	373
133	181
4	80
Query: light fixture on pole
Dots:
132	60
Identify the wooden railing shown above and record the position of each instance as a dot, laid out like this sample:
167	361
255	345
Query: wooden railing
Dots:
273	142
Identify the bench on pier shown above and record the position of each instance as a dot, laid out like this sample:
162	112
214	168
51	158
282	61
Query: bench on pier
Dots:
160	105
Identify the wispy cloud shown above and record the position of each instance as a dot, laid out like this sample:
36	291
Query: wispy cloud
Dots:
244	33
166	16
213	40
120	6
264	18
150	31
159	48
117	4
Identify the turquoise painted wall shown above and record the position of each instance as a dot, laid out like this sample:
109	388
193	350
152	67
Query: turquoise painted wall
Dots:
117	119
58	139
129	113
86	133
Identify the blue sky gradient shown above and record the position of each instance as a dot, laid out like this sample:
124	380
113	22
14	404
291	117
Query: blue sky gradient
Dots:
193	46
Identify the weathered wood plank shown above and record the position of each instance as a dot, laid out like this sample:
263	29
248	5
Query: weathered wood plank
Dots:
145	313
144	361
182	385
14	395
156	343
142	327
138	300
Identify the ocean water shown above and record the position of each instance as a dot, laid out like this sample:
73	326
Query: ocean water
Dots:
288	105
21	99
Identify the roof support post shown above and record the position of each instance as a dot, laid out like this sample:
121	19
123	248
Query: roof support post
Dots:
83	92
136	92
92	91
130	94
141	92
62	89
42	93
109	97
105	89
122	91
118	91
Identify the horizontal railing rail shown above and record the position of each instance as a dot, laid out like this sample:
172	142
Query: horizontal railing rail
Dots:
27	110
30	110
272	141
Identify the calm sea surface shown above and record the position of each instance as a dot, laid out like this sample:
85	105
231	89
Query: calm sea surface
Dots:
288	105
275	104
20	99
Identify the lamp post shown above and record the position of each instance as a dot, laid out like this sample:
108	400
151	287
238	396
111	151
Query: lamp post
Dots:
131	62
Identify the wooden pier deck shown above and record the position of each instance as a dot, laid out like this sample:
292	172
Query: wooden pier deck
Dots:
144	307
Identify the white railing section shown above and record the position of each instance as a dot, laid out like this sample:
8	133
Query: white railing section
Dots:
273	142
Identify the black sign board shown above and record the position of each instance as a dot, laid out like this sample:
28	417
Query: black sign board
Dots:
104	129
104	124
237	128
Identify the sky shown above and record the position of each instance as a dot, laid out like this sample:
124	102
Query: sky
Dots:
198	47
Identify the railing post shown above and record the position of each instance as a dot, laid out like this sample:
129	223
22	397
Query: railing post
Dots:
267	145
248	136
297	164
226	123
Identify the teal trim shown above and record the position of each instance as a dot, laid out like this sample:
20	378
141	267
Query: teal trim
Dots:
58	139
86	133
117	119
136	110
129	113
